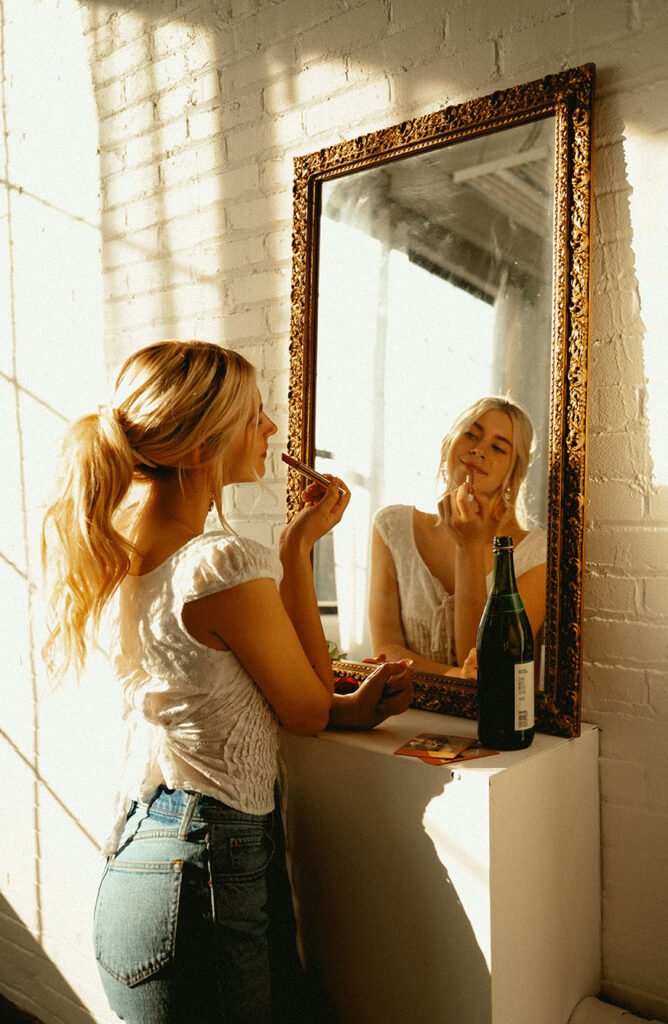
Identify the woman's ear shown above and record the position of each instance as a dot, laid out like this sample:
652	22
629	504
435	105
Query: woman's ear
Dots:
194	458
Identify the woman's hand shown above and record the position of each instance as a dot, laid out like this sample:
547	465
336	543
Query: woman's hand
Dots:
387	691
470	666
323	509
469	518
468	515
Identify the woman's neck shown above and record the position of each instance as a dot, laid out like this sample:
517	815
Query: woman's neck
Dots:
509	525
166	515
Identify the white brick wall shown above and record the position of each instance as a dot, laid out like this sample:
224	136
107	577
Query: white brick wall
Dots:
179	198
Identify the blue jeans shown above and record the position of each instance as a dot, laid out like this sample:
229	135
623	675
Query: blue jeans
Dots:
182	916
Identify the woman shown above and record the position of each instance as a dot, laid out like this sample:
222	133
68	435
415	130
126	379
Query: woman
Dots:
216	640
430	573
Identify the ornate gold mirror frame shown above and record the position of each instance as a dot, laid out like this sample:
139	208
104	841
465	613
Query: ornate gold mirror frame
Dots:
567	97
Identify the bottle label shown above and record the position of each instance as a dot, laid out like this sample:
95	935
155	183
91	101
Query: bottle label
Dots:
508	603
524	713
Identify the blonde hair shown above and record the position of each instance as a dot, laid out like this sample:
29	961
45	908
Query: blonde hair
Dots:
522	447
172	399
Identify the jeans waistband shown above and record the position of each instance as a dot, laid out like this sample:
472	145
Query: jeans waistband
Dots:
188	807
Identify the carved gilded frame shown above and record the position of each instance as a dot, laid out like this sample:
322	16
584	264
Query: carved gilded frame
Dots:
568	96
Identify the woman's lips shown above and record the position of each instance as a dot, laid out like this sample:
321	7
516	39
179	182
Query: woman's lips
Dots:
474	469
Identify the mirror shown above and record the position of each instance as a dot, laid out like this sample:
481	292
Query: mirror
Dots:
435	262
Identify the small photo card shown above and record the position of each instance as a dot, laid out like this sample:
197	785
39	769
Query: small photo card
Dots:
433	744
437	748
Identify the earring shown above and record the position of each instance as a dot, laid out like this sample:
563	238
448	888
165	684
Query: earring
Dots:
506	496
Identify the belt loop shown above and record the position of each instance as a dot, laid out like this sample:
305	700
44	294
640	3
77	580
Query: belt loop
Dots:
188	815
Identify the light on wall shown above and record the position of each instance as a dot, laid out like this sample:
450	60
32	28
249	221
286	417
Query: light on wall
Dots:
647	167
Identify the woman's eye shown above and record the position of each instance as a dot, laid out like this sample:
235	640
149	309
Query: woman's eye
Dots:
496	448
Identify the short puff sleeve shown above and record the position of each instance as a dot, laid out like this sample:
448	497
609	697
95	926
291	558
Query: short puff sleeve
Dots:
222	560
394	524
531	552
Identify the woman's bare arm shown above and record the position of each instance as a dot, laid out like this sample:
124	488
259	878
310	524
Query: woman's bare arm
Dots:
472	526
384	609
278	637
250	619
323	510
387	635
532	586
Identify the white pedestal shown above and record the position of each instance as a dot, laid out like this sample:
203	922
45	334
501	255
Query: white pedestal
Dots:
455	895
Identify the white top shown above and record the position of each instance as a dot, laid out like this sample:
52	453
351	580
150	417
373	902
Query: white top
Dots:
195	718
427	609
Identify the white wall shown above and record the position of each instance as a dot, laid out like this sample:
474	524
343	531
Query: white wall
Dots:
146	193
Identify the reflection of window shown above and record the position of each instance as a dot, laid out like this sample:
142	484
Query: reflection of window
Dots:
324	578
323	575
381	409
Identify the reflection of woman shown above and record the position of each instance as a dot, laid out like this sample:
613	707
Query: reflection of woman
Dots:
430	573
216	639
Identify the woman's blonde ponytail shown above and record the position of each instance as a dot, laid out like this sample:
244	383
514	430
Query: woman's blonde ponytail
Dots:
172	399
84	556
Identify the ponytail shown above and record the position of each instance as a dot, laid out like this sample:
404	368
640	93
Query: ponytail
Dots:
171	399
83	555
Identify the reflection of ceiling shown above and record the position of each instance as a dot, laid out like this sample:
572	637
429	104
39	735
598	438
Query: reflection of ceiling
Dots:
515	185
490	196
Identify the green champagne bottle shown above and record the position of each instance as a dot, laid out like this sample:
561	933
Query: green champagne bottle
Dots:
505	660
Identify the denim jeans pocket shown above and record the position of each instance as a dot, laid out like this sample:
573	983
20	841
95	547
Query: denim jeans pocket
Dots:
240	853
135	918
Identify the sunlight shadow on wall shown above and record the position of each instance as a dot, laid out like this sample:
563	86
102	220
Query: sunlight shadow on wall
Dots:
647	162
50	366
161	175
50	300
25	969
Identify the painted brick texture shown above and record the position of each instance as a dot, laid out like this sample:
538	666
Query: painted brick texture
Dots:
147	193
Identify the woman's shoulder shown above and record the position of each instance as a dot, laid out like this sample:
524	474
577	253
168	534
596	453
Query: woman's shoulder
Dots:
392	515
536	537
219	559
531	551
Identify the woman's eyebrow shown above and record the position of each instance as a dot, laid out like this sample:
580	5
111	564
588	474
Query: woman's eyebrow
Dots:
497	437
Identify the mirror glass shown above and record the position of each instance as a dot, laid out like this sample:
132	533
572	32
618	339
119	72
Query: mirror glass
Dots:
434	289
435	262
